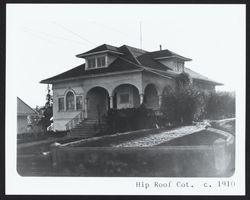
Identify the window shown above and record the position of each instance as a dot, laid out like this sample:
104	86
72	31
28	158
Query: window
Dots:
61	104
96	62
124	98
178	67
91	63
79	102
70	101
101	61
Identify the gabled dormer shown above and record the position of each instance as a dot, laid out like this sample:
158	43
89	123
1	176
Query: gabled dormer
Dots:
100	57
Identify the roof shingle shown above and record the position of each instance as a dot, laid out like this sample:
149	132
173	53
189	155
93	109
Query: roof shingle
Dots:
103	47
129	58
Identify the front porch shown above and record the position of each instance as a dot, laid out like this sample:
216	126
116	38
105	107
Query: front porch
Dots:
92	98
98	102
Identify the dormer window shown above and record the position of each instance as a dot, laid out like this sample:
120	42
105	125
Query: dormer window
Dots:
96	62
101	61
179	66
91	63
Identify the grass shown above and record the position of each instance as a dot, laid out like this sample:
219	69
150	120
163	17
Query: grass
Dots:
31	161
227	125
199	138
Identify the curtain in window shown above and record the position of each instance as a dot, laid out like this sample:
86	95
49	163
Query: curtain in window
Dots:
70	101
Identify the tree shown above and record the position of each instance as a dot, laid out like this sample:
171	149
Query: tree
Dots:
183	80
220	105
184	105
47	110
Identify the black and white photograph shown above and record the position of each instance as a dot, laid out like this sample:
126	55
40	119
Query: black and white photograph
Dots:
148	96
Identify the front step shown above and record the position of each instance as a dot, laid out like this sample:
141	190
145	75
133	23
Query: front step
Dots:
87	128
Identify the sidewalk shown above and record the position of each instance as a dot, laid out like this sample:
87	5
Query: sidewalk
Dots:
44	142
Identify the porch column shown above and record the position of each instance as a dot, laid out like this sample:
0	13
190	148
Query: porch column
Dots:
160	100
111	102
141	98
85	108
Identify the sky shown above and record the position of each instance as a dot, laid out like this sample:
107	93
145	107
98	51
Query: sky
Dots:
43	39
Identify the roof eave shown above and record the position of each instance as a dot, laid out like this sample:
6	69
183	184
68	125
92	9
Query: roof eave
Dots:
47	81
83	55
173	56
214	82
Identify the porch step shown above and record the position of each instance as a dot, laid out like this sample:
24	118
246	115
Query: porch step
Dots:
87	128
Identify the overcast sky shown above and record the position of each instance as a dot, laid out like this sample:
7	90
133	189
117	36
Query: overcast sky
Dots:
42	40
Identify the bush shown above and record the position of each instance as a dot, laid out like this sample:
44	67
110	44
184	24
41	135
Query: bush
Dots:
220	105
180	107
129	119
183	106
188	104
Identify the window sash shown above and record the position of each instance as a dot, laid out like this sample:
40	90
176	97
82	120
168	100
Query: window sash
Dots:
70	101
91	63
124	98
60	103
96	62
101	61
79	102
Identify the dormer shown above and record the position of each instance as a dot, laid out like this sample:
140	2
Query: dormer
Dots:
170	60
176	65
100	57
97	61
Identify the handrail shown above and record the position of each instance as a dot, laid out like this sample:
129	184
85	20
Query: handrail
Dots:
76	120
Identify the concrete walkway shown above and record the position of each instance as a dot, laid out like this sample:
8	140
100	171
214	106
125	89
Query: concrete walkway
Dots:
46	141
156	139
146	141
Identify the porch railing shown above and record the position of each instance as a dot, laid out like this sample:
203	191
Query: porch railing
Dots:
76	120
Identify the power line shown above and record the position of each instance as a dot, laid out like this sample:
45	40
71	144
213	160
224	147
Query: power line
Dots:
51	35
126	34
39	36
144	67
109	28
76	34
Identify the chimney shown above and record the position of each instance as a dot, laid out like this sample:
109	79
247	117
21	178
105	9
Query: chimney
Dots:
160	47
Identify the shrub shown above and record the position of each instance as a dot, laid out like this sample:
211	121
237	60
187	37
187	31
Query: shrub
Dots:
129	119
220	105
183	106
180	107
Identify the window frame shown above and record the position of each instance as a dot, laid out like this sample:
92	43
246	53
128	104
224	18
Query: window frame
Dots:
74	101
120	102
81	103
96	62
60	110
91	59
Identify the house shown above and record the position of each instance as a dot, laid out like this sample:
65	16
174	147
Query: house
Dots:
117	77
23	112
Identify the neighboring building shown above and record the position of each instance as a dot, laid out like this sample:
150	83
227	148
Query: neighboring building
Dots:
117	77
23	111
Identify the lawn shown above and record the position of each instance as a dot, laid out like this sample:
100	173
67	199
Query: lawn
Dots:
199	138
35	159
